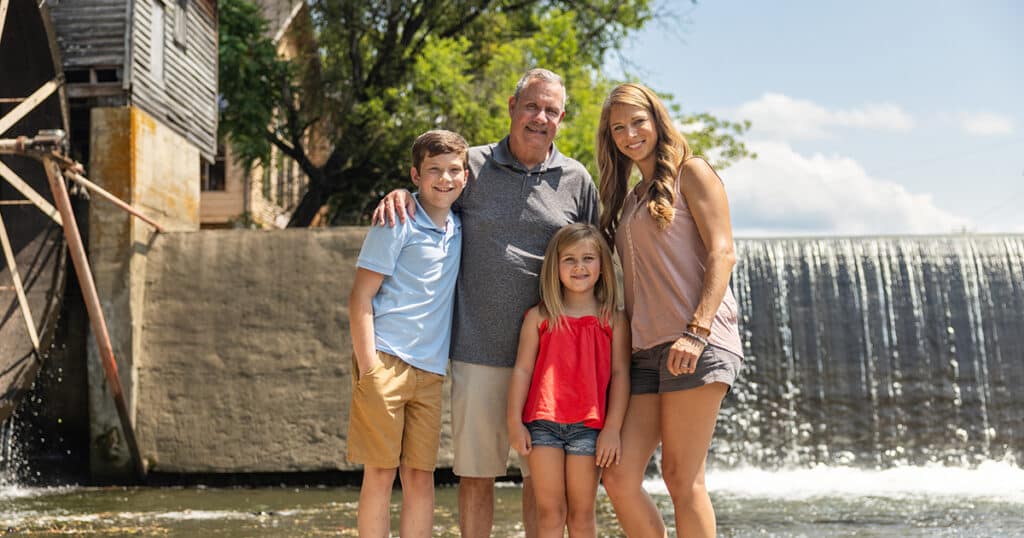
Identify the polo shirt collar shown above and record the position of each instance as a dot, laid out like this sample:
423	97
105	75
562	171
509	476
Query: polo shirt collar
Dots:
423	220
502	154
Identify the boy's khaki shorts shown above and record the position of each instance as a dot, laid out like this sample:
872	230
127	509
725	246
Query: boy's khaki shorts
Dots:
395	416
479	433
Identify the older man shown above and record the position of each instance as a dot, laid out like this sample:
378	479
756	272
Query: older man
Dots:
520	192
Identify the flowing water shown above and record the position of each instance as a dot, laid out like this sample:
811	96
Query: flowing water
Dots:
882	396
815	502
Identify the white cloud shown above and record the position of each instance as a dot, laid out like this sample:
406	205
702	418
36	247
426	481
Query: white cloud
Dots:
985	124
785	193
789	118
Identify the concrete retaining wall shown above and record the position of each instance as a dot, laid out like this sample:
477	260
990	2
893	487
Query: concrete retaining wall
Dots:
245	351
145	163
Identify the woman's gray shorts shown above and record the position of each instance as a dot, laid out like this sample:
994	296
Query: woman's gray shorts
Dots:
648	370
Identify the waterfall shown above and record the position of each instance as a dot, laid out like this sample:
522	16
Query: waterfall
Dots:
877	352
8	453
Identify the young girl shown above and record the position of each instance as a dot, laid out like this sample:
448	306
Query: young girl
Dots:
570	384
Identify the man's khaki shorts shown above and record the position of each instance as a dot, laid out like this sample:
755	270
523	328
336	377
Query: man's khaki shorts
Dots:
479	433
395	416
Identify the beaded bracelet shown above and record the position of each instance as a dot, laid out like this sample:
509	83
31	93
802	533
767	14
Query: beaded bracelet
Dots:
697	337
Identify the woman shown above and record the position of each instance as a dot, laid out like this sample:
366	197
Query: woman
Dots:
673	235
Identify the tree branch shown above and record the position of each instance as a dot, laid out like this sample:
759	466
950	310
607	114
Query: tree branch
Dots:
354	54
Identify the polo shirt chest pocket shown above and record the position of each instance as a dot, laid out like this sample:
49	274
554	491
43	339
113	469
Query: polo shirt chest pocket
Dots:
543	203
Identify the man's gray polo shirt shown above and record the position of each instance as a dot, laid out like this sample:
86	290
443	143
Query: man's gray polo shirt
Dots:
508	216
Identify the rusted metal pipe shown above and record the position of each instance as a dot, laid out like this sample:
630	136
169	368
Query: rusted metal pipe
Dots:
92	305
42	146
96	189
73	170
9	146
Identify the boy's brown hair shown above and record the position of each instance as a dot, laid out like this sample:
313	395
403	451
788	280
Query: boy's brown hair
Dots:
438	142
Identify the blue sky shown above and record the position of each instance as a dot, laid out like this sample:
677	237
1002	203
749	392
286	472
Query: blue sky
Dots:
869	117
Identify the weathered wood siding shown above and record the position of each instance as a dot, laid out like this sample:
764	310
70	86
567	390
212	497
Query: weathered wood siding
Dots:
90	33
186	98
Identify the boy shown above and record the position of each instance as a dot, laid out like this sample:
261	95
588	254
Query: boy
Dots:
400	315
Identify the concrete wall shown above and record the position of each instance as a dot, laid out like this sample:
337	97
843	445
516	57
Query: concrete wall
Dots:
148	165
246	351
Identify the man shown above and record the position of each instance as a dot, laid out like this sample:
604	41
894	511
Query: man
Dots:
520	192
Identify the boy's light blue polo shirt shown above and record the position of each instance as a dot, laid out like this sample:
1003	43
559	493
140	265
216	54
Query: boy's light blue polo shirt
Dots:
412	311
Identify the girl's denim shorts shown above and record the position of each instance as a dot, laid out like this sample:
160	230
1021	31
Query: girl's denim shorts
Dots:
575	439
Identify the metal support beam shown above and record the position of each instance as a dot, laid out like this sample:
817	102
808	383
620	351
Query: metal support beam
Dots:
29	104
12	264
96	189
92	304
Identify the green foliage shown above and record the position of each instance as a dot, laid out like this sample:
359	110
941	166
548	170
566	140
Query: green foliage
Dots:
383	72
250	79
716	139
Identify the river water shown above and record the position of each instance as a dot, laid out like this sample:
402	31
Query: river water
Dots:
987	501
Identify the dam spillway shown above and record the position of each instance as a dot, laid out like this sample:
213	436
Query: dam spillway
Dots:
877	352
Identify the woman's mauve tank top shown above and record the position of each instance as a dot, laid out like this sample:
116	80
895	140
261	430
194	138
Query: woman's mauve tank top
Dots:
663	272
572	373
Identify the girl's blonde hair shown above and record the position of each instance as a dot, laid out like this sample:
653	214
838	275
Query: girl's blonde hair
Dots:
551	305
615	168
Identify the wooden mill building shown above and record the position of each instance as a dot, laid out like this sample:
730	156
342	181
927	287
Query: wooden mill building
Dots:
156	56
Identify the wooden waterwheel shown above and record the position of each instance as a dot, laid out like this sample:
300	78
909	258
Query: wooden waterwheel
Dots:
33	261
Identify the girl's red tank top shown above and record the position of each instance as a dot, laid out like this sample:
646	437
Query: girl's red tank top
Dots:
572	373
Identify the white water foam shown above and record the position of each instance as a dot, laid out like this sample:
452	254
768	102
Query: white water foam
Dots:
19	492
189	515
993	480
131	518
37	519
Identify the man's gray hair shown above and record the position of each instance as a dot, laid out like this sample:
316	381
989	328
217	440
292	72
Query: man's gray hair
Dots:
541	74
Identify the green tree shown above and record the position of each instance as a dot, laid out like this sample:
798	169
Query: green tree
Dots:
251	79
376	74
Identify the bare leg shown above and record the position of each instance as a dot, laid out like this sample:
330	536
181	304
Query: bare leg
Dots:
634	508
529	508
417	503
547	467
688	422
476	506
581	475
374	502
